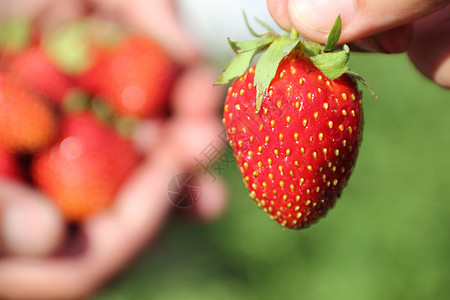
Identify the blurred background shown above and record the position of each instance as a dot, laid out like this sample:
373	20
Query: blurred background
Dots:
386	238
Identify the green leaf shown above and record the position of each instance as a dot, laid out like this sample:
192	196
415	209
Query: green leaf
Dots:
334	35
102	110
242	46
126	125
237	66
267	67
332	64
289	47
76	100
312	48
69	47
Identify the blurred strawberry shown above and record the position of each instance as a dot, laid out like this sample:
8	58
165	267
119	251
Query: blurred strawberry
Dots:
84	170
9	167
27	123
91	77
37	71
133	77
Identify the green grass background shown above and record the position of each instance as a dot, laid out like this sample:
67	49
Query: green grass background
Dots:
386	238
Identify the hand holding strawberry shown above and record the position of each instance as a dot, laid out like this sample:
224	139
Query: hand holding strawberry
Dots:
295	124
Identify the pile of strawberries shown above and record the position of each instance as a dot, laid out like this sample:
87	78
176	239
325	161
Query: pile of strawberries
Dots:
59	128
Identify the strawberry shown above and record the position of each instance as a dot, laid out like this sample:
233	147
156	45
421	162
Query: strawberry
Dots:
133	77
295	127
39	73
83	171
9	167
27	123
91	78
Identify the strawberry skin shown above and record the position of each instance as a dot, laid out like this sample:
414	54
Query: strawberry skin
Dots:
83	171
133	77
27	122
36	70
297	153
9	167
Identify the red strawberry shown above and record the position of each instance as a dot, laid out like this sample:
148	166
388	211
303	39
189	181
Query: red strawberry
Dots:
91	78
9	167
27	123
134	77
84	170
297	151
39	73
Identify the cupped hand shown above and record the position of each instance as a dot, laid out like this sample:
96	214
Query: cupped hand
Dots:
41	259
107	241
31	228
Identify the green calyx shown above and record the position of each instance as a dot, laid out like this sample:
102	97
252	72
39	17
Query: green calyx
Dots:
332	61
15	35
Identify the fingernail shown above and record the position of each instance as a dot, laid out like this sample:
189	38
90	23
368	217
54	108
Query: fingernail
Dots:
30	229
321	14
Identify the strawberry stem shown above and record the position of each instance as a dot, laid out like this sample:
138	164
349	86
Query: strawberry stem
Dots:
363	81
294	34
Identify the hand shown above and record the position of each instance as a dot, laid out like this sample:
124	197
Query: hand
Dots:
40	259
418	27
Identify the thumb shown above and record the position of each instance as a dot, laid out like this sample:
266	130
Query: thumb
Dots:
29	224
313	19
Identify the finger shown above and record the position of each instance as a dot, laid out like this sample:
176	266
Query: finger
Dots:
58	13
158	19
361	18
148	133
194	94
18	9
279	11
213	199
395	40
29	224
199	146
45	12
188	138
430	49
